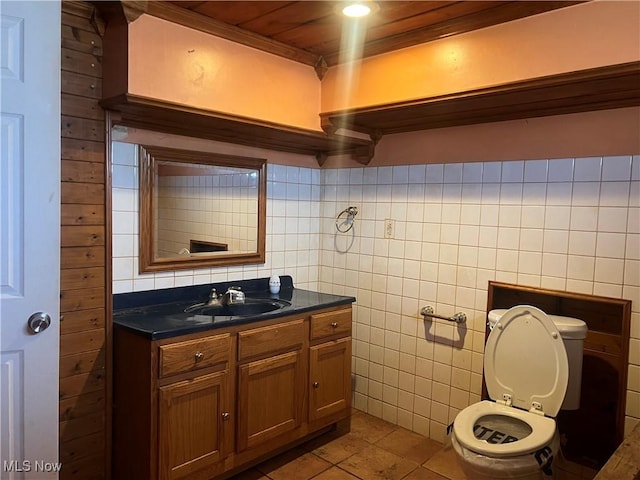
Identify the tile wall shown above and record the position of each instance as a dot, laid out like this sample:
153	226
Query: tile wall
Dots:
293	223
568	224
220	207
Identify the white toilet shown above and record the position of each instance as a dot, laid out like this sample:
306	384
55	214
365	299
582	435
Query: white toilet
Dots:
532	364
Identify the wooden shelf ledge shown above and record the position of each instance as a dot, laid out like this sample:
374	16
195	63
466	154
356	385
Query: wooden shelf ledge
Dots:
614	86
166	117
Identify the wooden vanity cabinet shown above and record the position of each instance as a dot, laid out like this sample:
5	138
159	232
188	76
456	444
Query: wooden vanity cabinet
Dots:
191	421
204	406
271	371
193	412
330	367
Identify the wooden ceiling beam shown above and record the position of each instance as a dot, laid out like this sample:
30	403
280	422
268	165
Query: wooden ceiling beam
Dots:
188	18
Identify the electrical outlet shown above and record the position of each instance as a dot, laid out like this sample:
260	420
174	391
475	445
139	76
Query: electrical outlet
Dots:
388	228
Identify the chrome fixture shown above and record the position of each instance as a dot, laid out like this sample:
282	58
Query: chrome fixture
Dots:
428	312
232	296
213	298
345	223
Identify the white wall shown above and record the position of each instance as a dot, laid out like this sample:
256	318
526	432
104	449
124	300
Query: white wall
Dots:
568	224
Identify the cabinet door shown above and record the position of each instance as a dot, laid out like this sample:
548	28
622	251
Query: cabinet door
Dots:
270	398
191	422
329	378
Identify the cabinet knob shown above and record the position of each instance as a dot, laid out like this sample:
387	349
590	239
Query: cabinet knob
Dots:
199	356
334	324
225	415
316	384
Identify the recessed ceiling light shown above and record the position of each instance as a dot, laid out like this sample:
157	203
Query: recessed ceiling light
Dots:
359	9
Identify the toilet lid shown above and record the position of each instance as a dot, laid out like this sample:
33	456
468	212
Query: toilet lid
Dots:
525	358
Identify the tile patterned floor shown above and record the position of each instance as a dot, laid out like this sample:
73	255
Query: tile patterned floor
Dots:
374	450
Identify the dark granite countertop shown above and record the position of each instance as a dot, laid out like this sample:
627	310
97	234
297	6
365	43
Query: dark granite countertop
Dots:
158	314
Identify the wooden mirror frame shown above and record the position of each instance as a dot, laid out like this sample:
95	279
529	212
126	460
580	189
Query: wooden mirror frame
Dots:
148	156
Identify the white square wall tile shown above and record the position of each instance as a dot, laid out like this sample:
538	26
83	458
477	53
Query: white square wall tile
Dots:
582	243
453	173
611	245
491	172
556	241
557	218
535	171
612	219
532	216
615	194
587	169
124	153
580	268
508	238
554	265
512	172
632	246
509	216
560	170
531	239
635	167
585	193
584	218
632	273
616	168
559	193
609	270
472	172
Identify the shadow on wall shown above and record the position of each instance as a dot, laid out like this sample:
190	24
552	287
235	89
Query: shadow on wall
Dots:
431	336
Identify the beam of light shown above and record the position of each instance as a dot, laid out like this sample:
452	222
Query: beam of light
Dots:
351	46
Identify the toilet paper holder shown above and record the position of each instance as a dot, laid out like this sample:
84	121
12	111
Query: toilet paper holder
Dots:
429	312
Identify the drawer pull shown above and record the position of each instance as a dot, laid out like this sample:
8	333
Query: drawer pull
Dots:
225	416
334	324
316	384
199	356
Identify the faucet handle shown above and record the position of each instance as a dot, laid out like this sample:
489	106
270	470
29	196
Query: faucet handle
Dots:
213	294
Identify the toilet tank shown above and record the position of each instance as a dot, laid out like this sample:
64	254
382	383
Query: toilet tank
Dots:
573	332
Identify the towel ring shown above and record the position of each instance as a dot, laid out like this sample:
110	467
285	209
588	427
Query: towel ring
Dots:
343	226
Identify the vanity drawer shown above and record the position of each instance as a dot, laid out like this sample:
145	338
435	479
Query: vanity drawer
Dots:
194	354
271	339
330	324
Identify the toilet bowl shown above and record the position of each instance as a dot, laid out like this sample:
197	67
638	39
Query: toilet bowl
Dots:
527	372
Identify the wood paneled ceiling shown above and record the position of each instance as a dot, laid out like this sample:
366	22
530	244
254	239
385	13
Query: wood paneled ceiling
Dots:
312	31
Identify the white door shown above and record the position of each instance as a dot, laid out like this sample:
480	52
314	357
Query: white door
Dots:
30	237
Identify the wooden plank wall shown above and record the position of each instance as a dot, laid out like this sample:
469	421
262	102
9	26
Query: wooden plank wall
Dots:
84	275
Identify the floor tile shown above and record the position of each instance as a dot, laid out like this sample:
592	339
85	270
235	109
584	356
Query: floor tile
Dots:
370	428
337	449
335	473
445	463
410	445
374	463
296	464
422	473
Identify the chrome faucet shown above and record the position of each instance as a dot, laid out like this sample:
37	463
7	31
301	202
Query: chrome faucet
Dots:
214	299
232	296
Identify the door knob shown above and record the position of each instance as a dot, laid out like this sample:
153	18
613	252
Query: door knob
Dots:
38	322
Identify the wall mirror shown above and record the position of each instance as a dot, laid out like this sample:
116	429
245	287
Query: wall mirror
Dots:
200	209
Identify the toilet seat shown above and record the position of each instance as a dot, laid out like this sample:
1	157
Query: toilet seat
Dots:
542	430
525	362
526	374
